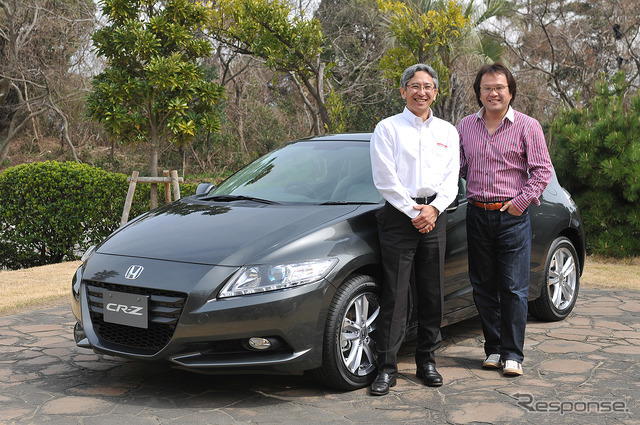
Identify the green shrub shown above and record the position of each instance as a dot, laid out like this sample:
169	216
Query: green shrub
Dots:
188	189
52	211
596	152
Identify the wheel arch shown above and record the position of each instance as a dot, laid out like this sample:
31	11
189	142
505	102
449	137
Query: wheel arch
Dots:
332	372
542	307
578	243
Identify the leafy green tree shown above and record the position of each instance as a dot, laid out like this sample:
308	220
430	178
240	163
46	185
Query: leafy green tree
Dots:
420	33
355	40
154	90
596	152
271	31
440	33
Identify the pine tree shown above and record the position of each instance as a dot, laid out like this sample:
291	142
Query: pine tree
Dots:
596	151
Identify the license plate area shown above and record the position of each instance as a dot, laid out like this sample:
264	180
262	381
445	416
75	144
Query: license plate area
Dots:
126	309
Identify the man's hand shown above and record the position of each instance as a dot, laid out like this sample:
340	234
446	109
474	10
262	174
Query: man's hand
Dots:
510	208
426	220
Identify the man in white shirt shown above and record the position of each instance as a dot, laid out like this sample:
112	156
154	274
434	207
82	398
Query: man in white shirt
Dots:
415	162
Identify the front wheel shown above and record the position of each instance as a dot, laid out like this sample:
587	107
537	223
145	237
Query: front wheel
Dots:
349	352
561	282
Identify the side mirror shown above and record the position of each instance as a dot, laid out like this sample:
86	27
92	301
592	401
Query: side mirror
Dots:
204	188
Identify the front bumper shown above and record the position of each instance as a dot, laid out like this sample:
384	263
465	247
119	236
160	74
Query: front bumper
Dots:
206	333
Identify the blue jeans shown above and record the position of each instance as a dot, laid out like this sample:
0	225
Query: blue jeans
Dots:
499	257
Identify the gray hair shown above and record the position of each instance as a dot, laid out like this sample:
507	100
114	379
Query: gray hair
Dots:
410	72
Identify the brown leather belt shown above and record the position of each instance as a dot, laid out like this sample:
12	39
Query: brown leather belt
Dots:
488	205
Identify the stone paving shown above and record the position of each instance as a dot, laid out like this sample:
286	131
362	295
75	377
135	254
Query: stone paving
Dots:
583	370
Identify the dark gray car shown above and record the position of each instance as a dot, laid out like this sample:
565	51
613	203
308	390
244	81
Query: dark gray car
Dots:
277	270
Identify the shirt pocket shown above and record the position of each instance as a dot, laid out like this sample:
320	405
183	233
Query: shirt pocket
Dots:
442	154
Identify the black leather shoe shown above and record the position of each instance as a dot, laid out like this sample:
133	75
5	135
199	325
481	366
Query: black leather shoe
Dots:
382	383
429	375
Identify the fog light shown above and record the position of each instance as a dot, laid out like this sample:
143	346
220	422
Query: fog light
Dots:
80	337
259	343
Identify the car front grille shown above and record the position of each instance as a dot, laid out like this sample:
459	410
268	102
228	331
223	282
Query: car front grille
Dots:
165	308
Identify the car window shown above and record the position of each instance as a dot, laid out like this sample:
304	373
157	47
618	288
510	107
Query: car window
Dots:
462	190
308	172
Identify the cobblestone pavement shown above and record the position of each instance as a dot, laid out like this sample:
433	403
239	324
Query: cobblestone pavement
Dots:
583	370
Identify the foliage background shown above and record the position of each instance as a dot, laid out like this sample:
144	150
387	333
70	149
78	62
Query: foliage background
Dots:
52	211
596	150
559	51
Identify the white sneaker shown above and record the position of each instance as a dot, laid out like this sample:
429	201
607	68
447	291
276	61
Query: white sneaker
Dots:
492	361
512	367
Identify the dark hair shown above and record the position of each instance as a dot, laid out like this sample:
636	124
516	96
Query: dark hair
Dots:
411	71
495	68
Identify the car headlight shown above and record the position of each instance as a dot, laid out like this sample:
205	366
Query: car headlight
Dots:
88	253
257	279
569	198
77	278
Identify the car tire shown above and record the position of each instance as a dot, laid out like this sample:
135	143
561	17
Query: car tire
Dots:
561	282
349	351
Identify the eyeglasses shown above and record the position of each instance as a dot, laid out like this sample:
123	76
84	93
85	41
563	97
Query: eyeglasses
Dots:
417	87
489	89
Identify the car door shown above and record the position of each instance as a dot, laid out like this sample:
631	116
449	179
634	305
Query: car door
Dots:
458	294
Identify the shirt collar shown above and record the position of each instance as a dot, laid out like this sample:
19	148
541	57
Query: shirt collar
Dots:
414	119
510	115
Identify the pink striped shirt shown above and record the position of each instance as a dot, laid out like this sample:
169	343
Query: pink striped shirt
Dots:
512	163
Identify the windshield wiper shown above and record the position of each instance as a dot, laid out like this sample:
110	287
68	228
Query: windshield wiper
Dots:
230	198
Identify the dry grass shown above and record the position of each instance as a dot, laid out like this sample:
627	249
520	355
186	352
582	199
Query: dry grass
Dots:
35	287
601	272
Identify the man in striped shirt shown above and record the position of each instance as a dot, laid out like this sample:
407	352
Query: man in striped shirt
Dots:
504	157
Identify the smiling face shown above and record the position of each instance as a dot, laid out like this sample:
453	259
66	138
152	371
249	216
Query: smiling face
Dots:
495	94
420	94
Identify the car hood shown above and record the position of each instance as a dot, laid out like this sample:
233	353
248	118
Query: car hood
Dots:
228	234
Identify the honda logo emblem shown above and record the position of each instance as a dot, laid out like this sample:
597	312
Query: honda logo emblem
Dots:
133	272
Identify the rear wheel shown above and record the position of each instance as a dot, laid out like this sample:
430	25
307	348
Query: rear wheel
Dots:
349	352
561	283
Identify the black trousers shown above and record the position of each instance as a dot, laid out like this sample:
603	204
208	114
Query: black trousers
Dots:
405	250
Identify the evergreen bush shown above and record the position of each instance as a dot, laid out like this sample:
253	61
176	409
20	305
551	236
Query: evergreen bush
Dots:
52	211
596	152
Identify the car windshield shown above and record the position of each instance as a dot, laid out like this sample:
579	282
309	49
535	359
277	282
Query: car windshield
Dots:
317	172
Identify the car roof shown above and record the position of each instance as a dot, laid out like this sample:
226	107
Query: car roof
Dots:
351	137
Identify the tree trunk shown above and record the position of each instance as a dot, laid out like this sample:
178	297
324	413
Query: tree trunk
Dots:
452	107
4	153
153	195
64	137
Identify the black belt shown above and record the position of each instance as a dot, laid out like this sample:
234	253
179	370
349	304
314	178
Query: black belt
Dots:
425	201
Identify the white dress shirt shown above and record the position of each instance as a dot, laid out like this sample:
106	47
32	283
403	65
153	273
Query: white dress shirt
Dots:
413	159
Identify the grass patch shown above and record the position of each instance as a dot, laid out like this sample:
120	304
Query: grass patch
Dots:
603	272
34	287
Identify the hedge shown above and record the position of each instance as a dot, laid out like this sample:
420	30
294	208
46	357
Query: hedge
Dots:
52	211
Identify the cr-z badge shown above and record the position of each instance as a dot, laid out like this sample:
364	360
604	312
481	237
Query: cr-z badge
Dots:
133	272
135	310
